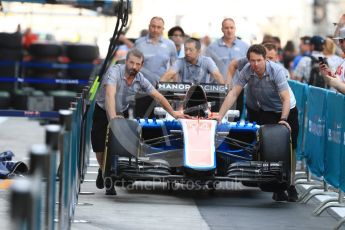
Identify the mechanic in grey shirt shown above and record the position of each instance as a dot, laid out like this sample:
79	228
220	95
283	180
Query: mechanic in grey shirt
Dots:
124	92
226	48
119	84
268	100
271	55
193	68
160	53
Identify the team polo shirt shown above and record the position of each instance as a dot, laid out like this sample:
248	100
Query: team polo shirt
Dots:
241	63
157	57
124	93
222	55
198	73
264	93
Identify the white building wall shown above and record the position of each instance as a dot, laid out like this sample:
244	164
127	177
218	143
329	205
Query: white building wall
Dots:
287	19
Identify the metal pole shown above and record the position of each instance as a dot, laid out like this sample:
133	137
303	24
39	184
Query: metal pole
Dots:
39	169
52	140
22	210
66	123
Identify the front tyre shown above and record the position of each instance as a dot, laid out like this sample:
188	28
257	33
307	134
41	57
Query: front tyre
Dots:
275	146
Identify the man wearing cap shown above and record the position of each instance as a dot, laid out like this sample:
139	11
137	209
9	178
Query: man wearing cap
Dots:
303	68
337	79
304	50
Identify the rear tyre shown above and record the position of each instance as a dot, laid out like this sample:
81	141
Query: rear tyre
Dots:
82	52
275	146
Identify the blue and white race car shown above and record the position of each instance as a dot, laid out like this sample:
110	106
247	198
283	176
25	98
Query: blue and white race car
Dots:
197	150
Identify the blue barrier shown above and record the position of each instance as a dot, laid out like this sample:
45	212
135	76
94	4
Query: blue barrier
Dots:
300	91
342	157
315	133
334	125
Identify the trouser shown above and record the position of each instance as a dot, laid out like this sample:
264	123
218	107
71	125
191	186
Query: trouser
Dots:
269	117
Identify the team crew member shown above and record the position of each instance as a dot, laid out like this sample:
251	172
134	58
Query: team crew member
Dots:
226	48
193	68
159	52
271	54
268	99
176	34
119	84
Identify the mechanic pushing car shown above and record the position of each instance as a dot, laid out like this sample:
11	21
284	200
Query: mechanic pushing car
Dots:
268	101
120	82
193	68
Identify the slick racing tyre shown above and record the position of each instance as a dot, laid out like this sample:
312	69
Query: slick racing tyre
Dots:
275	146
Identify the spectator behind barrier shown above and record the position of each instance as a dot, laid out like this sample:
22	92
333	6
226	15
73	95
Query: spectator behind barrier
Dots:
336	79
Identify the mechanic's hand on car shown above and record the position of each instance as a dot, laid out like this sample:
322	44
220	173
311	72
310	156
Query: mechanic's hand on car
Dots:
118	116
180	115
215	116
285	123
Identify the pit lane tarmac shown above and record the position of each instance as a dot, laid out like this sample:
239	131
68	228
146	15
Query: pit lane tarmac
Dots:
151	205
148	206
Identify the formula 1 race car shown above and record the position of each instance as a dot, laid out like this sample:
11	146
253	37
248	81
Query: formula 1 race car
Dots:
199	149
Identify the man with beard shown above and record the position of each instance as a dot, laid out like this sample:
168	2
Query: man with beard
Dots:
120	83
193	68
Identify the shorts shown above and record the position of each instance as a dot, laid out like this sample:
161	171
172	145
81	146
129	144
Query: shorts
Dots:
99	128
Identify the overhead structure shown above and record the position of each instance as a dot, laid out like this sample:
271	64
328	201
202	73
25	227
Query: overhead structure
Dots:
106	7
